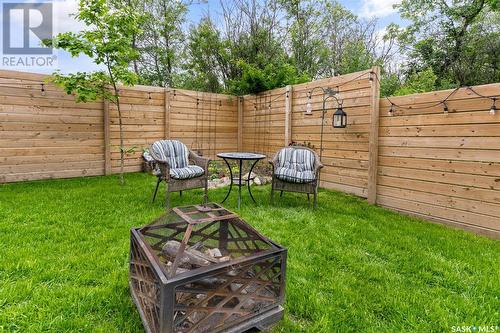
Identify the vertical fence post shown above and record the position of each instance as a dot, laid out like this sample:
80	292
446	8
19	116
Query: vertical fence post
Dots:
167	113
107	143
240	123
288	114
373	138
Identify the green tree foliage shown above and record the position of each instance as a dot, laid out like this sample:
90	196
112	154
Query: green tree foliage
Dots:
245	55
309	52
208	66
458	40
107	40
254	79
389	84
326	39
262	45
161	40
417	83
256	45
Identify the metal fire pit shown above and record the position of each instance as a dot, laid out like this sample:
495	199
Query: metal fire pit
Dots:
203	269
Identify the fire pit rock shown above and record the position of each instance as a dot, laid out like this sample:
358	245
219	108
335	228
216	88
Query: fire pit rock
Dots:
203	269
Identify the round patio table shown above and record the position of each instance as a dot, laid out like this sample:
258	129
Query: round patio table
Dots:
240	157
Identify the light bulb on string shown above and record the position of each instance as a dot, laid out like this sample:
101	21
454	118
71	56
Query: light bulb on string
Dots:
445	108
391	110
493	109
309	105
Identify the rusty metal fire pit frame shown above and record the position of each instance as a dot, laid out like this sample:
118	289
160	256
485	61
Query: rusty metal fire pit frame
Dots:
155	288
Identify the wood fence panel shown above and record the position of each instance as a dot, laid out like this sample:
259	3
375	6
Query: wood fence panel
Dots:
264	121
442	167
345	150
44	134
143	119
206	122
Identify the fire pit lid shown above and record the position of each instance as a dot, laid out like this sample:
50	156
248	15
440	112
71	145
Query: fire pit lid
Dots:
196	236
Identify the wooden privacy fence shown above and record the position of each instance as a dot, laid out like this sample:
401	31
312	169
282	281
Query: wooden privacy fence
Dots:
417	160
442	166
275	118
207	123
45	134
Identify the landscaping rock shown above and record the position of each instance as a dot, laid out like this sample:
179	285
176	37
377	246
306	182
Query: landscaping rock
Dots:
252	175
218	182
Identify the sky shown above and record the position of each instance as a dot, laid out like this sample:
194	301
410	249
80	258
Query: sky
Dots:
63	22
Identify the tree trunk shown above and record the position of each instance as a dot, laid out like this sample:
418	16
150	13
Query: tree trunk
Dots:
122	148
134	46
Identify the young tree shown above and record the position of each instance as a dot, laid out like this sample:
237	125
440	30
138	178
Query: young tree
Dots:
108	42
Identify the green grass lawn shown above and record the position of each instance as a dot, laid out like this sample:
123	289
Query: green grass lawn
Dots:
352	267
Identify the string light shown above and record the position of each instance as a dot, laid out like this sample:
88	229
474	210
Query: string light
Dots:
391	110
149	95
445	107
333	91
493	109
43	89
309	108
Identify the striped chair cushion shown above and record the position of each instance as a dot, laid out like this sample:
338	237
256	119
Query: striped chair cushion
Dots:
191	171
295	165
173	151
147	156
293	176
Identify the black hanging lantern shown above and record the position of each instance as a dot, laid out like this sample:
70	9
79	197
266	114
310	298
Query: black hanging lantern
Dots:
339	118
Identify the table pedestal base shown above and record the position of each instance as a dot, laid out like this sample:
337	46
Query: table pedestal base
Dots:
240	182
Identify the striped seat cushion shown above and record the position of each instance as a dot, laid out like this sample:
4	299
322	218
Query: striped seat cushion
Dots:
173	151
294	176
190	171
295	165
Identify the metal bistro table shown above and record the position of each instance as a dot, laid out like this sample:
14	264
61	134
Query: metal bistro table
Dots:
241	182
